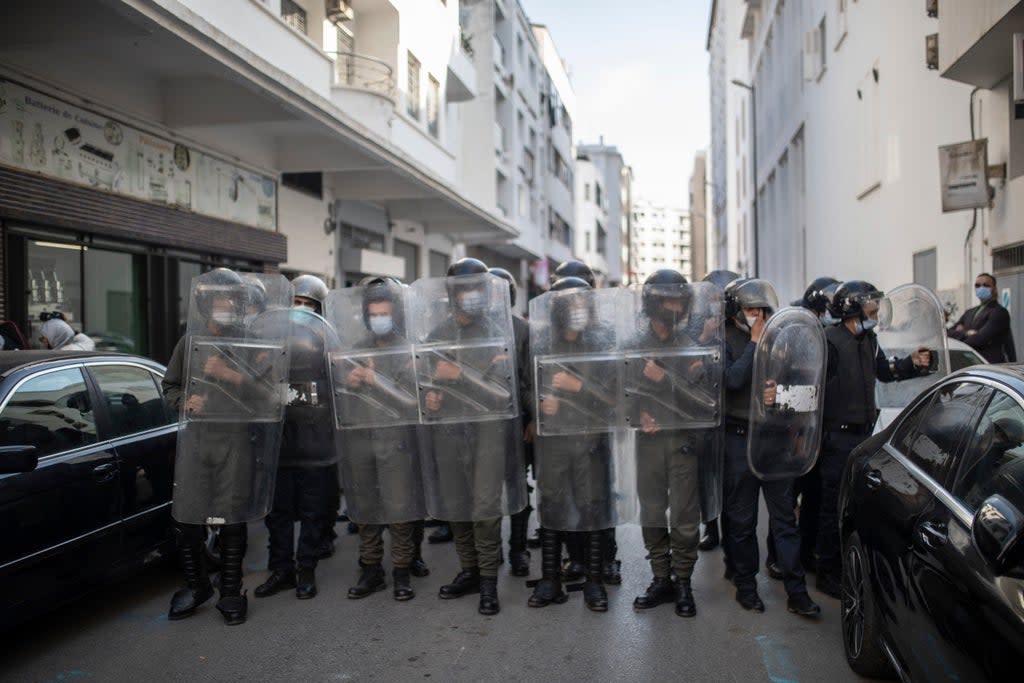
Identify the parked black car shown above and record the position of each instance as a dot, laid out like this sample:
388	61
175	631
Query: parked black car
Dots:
86	473
932	529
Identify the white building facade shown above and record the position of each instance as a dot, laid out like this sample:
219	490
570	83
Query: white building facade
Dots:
661	238
849	119
603	216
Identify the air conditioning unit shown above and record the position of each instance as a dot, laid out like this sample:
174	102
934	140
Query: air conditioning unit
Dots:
931	51
338	11
932	7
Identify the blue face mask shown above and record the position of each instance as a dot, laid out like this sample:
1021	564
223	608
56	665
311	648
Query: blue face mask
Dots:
827	320
865	325
983	293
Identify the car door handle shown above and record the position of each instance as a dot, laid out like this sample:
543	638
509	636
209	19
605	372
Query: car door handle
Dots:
104	473
932	534
873	479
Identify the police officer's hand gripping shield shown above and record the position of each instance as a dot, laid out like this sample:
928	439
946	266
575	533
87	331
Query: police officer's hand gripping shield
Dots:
234	397
787	396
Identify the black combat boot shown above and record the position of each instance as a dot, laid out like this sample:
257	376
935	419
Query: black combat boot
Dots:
518	555
711	539
465	582
489	595
685	606
403	587
549	589
371	580
594	593
611	568
660	592
305	581
233	604
197	588
418	567
278	580
574	568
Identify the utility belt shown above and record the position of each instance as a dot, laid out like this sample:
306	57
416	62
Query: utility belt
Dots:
859	429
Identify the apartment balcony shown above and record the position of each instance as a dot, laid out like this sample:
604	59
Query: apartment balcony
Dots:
500	59
364	88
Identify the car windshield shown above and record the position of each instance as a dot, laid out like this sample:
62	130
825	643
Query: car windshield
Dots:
960	359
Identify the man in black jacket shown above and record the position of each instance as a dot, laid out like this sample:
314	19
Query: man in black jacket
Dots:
855	362
986	327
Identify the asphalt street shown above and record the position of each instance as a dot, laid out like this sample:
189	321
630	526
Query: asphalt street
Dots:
122	633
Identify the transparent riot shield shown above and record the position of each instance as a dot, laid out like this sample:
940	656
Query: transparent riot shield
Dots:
372	367
577	361
471	434
911	317
673	387
787	396
583	464
673	355
712	473
375	404
236	386
308	430
464	349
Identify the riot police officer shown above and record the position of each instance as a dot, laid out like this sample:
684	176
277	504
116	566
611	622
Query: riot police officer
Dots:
855	363
381	470
306	481
667	394
518	555
229	398
473	441
753	302
710	540
573	446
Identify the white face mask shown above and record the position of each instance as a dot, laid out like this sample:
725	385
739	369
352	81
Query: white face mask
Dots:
306	307
472	302
751	319
578	319
381	325
223	317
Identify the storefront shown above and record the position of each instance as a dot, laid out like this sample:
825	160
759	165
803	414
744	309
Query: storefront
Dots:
107	223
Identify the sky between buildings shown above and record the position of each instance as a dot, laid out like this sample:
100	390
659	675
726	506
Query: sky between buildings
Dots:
640	72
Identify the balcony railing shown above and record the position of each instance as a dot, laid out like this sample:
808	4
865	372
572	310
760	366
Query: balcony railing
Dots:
363	73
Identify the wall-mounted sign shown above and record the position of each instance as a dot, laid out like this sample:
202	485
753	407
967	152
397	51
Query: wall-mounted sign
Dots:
963	170
45	135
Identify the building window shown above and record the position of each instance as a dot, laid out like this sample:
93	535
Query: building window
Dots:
597	194
412	104
602	240
586	241
433	106
410	253
438	263
586	191
294	15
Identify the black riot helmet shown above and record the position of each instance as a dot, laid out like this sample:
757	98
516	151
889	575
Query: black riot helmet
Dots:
575	268
814	298
755	293
221	283
468	297
507	276
311	287
256	294
567	309
379	290
851	297
306	343
660	287
720	278
731	307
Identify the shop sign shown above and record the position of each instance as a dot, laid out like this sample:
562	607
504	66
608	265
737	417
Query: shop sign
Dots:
45	135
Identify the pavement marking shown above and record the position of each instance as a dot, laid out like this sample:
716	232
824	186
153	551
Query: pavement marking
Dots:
777	661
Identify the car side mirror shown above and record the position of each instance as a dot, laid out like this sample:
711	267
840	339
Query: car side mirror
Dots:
17	459
998	531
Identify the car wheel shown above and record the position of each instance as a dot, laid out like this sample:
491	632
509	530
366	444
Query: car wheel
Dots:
861	632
